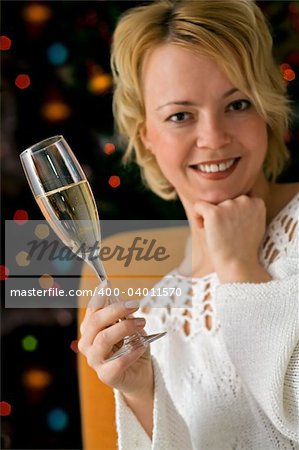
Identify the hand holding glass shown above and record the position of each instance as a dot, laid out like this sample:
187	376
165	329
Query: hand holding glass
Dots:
63	194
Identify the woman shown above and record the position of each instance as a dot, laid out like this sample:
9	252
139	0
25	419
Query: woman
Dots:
203	106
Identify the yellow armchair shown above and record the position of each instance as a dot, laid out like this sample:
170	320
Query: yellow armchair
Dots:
97	402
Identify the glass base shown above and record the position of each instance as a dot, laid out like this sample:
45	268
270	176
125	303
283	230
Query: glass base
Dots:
133	342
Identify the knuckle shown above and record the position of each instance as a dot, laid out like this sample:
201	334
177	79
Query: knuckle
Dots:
81	346
82	328
103	338
90	360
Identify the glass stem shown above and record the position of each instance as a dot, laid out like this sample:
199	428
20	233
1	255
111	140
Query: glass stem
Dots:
98	267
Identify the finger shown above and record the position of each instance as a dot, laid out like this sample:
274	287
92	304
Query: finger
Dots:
100	319
110	372
105	341
99	299
201	210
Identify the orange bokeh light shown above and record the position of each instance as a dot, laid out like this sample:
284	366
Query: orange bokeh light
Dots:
37	13
100	83
36	379
55	111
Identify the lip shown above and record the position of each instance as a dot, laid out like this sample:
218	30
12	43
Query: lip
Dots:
216	175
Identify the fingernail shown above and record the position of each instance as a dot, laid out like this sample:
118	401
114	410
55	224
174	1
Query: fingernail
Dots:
139	322
132	304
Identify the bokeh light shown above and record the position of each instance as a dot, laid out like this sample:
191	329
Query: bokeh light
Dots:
20	216
5	43
289	75
57	419
100	83
284	66
37	13
22	81
62	265
4	272
114	181
57	53
42	231
5	408
29	343
37	379
109	148
64	317
74	346
23	259
55	111
46	281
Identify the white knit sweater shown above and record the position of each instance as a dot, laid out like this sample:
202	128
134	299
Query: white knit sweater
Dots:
232	382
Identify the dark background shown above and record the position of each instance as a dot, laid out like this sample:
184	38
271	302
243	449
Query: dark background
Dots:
63	46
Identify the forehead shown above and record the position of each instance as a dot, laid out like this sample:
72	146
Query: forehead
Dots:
170	68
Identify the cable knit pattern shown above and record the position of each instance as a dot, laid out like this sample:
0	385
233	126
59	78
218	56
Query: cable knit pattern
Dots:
227	372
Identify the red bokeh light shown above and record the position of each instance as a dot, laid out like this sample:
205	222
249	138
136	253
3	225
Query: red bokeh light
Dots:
5	43
284	67
74	346
109	148
20	216
114	181
22	81
5	409
4	272
289	75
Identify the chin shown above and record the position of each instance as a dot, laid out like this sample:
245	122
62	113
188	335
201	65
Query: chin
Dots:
217	197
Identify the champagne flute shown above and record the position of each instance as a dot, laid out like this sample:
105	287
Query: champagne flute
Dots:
64	196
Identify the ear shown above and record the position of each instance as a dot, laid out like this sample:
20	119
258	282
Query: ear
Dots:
145	139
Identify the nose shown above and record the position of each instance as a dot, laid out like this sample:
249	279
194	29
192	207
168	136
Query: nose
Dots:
212	133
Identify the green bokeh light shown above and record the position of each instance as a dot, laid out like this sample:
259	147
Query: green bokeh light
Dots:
29	343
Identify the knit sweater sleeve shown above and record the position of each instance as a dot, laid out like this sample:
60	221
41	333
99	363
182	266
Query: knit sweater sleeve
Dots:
260	326
170	431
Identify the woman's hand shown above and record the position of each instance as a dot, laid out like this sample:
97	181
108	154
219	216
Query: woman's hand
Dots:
234	230
101	330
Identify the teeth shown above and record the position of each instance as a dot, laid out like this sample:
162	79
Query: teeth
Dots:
216	167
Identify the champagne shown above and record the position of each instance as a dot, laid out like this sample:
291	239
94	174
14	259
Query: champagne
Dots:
72	213
64	196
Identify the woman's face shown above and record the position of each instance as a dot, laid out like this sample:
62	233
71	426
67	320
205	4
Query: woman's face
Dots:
207	137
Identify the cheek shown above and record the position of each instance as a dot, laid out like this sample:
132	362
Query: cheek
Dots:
257	139
164	146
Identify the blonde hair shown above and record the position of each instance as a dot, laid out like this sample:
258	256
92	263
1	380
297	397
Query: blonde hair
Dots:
234	33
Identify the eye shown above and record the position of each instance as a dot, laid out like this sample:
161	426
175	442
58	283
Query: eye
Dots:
239	105
179	117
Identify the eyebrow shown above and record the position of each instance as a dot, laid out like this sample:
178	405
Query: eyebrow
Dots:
188	103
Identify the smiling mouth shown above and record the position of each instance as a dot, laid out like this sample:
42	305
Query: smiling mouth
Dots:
215	166
216	169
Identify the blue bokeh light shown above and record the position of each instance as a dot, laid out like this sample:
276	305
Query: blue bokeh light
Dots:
57	53
62	265
57	419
